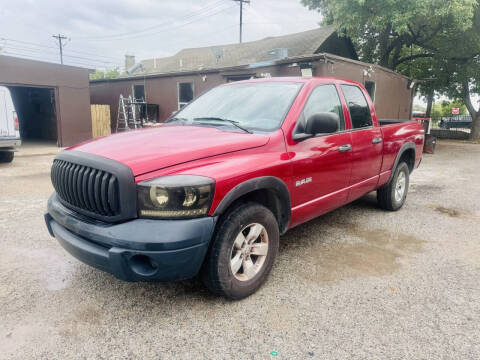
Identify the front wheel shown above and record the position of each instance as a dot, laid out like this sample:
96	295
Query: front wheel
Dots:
393	195
243	252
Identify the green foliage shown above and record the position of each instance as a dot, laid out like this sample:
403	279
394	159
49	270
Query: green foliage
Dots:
444	108
108	74
435	41
385	30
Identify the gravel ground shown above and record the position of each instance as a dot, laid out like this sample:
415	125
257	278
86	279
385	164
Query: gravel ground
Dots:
356	283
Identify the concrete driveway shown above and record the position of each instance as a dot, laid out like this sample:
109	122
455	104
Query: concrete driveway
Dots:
357	283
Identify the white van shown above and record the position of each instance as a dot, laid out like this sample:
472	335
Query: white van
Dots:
9	132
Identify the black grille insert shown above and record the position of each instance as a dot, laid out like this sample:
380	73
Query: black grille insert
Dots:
85	188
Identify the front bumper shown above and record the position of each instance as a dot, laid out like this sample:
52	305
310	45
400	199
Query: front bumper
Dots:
136	250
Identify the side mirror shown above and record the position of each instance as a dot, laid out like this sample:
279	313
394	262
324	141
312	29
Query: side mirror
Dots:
320	123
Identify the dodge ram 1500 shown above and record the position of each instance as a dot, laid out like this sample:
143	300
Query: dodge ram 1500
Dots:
211	191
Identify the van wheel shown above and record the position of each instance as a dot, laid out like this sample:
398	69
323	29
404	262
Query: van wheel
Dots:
243	252
6	156
393	195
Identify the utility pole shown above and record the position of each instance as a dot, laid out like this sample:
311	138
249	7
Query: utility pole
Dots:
241	15
60	38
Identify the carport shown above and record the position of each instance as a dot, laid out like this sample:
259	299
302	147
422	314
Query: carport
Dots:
52	101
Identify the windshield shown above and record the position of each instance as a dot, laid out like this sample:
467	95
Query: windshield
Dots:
252	106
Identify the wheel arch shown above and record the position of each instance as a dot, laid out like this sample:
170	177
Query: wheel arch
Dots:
269	191
407	153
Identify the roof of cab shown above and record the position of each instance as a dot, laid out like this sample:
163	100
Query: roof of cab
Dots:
325	79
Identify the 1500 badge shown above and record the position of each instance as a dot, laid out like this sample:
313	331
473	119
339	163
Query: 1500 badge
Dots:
303	181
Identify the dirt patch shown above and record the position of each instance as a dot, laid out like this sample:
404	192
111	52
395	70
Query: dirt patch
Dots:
373	252
456	213
447	211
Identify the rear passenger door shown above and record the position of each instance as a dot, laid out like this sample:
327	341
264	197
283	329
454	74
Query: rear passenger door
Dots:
367	146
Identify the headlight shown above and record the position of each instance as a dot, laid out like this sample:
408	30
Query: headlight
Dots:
175	197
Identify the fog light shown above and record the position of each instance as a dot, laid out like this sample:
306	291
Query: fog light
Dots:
143	265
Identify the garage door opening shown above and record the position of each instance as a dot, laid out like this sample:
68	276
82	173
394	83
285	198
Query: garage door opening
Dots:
37	115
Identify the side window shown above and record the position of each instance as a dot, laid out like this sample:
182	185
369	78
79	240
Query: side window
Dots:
358	106
185	94
324	98
139	92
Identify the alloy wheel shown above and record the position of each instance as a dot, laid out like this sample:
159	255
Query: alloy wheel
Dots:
249	252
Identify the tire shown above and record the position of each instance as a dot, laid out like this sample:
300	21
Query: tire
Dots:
6	156
388	197
225	253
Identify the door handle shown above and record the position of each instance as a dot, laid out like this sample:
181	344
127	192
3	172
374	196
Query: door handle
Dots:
345	148
376	140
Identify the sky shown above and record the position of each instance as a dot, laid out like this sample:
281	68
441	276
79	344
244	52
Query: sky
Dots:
101	32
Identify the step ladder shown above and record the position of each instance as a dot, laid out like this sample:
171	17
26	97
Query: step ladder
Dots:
128	115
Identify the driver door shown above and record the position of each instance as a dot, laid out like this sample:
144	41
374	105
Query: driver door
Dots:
321	164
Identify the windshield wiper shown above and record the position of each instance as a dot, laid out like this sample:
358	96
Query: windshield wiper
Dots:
183	120
233	122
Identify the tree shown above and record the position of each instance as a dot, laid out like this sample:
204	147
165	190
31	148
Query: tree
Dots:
460	66
384	29
444	108
436	41
108	74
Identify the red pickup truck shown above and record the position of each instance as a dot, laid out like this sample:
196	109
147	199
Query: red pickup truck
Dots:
211	191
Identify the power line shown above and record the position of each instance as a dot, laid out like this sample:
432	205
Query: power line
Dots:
206	8
33	56
88	53
60	38
41	51
52	58
206	11
204	15
170	28
56	48
29	43
190	22
15	47
36	57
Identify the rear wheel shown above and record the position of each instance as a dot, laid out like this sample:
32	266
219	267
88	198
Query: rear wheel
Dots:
243	252
6	156
393	195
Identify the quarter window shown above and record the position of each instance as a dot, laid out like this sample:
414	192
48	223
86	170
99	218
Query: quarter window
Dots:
370	87
323	98
358	106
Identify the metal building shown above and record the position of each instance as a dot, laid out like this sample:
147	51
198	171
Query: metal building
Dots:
169	83
52	101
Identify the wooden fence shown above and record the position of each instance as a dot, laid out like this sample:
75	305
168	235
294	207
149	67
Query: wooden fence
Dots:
100	120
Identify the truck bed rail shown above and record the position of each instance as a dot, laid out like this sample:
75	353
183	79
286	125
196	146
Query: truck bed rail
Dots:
384	122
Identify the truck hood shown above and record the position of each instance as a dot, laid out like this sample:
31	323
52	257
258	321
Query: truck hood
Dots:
152	149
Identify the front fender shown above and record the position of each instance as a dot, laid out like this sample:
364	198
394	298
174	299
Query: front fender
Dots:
271	183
